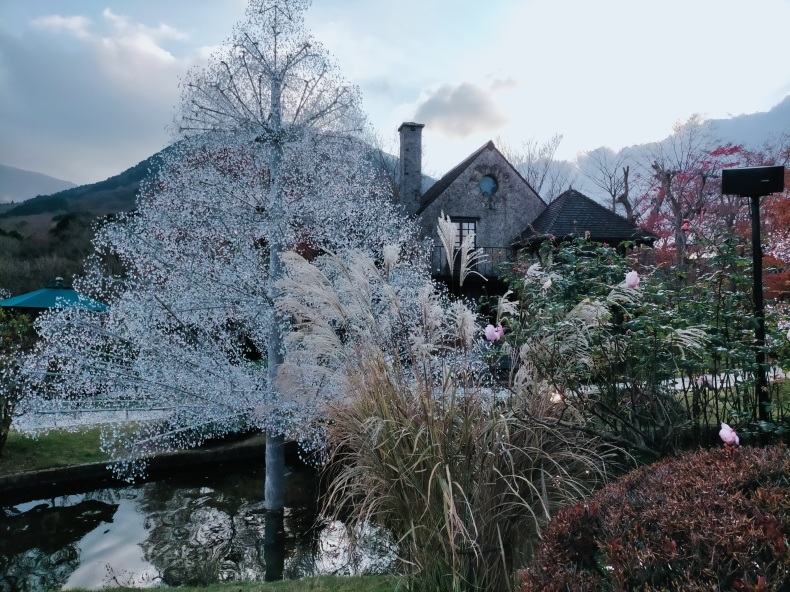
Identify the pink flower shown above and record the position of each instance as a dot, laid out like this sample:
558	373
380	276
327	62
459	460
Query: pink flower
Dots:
632	279
491	333
728	435
500	331
685	226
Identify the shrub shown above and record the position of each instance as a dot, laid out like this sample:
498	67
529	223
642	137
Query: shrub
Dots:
710	520
655	368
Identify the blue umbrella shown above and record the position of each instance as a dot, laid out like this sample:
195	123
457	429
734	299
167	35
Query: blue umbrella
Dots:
55	295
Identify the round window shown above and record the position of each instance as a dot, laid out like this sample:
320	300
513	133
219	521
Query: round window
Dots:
488	185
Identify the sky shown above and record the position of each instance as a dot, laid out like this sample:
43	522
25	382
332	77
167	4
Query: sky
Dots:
88	87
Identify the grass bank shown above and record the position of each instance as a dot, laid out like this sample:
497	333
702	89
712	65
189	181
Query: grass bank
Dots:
58	448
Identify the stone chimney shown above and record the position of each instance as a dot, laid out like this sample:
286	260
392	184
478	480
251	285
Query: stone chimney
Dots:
410	165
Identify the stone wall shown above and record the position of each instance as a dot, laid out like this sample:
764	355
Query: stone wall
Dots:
500	217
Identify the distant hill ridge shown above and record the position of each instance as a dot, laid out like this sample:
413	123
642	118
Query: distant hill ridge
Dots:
119	193
753	129
116	194
20	184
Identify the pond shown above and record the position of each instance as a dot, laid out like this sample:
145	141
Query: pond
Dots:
185	530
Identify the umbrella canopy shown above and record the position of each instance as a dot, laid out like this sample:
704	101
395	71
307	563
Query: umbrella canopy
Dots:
55	295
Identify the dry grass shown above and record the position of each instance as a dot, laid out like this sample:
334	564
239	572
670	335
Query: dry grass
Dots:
463	484
462	480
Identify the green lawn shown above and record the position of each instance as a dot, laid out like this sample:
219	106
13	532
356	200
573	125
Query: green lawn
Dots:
780	400
58	448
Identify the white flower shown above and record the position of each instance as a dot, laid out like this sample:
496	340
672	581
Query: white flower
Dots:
632	279
728	435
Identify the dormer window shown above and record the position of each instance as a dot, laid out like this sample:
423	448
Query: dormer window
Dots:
488	185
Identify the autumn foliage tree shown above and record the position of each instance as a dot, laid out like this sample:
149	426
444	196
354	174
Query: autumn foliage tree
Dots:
775	218
683	188
679	198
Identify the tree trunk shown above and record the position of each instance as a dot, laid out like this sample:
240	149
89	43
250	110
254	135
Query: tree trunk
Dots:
624	199
274	489
5	426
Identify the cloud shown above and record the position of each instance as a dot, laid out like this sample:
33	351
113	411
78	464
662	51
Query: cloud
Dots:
124	24
94	110
498	84
460	111
77	25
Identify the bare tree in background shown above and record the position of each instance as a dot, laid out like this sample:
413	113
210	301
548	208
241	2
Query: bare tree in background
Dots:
537	163
608	170
682	170
385	163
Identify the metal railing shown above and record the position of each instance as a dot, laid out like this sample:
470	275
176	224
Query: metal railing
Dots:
488	267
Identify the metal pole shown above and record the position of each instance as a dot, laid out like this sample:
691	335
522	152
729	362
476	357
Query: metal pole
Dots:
763	396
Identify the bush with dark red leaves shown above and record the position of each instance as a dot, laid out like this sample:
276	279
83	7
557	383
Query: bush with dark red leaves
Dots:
709	520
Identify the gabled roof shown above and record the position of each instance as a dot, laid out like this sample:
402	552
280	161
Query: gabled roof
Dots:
442	184
573	214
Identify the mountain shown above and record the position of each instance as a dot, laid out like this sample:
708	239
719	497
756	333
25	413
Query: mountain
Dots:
753	129
50	235
19	184
112	195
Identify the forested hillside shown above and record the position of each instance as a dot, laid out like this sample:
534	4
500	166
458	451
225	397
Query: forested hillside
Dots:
50	235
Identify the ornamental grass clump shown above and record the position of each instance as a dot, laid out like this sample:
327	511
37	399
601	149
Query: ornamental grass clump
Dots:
424	443
462	483
710	520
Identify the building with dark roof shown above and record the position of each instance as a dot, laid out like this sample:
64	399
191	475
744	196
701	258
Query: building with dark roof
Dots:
485	195
574	215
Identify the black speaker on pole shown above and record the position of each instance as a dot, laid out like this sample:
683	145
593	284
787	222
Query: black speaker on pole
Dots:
753	181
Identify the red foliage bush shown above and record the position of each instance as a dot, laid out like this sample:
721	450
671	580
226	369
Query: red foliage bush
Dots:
710	520
777	285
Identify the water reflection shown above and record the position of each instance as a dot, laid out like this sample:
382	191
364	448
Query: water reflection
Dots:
38	546
274	545
181	531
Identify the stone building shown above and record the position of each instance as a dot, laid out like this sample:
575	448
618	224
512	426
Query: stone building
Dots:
487	196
